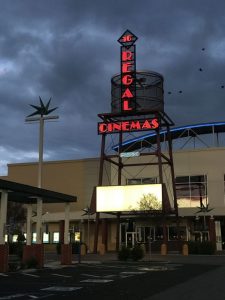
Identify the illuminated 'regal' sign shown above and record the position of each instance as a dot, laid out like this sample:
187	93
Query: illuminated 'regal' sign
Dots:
128	71
127	117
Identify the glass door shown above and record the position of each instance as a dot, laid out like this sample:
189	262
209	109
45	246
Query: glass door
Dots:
131	239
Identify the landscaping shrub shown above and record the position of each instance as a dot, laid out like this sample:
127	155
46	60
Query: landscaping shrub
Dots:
124	253
31	263
58	248
137	253
75	247
205	247
16	249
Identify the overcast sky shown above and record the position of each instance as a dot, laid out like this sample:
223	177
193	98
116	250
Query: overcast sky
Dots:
68	50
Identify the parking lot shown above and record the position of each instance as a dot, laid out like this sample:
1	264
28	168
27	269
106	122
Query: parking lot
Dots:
101	280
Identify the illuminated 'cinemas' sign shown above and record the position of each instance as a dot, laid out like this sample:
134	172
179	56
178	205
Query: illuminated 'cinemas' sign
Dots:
127	126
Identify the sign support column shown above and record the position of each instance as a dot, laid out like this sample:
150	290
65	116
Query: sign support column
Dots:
66	248
3	247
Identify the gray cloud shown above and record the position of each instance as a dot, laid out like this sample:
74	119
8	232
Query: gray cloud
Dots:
68	50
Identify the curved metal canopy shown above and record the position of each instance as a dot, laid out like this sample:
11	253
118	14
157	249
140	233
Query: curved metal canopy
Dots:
176	132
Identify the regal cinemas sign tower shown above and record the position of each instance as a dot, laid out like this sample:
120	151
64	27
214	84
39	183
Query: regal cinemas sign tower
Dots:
137	104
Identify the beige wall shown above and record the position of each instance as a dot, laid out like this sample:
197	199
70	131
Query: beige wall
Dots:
78	177
210	162
75	177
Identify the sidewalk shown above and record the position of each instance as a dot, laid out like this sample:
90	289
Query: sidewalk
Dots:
218	259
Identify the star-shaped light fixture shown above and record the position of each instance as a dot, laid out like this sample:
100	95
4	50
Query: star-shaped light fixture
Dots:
204	208
42	110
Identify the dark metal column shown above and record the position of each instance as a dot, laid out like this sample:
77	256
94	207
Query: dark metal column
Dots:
159	155
120	167
100	180
172	170
118	232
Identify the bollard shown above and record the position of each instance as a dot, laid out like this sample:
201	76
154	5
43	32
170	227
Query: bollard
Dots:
164	249
102	249
185	249
83	250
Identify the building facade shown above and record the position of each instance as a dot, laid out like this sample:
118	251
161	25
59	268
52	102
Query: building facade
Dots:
200	181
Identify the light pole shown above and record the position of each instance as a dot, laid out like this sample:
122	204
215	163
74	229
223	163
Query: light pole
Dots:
88	212
204	209
41	114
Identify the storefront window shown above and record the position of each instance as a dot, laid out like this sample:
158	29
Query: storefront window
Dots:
145	233
46	238
55	237
146	180
34	237
158	233
14	238
177	233
191	190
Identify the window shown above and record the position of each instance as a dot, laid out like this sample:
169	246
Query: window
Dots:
158	233
177	233
145	233
34	237
191	190
55	237
150	180
45	238
14	238
77	236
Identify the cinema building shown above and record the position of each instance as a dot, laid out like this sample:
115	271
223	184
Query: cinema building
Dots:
199	164
153	184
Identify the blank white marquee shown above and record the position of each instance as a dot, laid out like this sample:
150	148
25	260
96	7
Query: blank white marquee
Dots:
125	197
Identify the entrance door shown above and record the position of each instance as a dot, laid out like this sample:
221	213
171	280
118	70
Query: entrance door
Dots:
131	239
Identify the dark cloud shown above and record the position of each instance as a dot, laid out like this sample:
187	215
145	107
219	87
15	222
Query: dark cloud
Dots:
68	50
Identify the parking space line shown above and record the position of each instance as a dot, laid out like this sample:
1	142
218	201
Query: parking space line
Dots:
12	296
97	280
31	275
132	273
60	275
62	288
90	275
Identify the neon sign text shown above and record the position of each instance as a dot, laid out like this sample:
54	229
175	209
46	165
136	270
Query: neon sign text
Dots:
128	72
127	126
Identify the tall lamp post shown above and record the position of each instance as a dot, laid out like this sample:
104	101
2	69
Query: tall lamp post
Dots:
204	209
40	114
88	212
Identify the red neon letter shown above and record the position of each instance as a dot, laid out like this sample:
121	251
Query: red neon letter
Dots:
135	125
102	127
127	80
126	105
127	94
146	125
127	55
125	126
116	126
126	67
127	38
155	123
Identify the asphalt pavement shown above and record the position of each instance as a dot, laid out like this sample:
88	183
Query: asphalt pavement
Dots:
99	277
